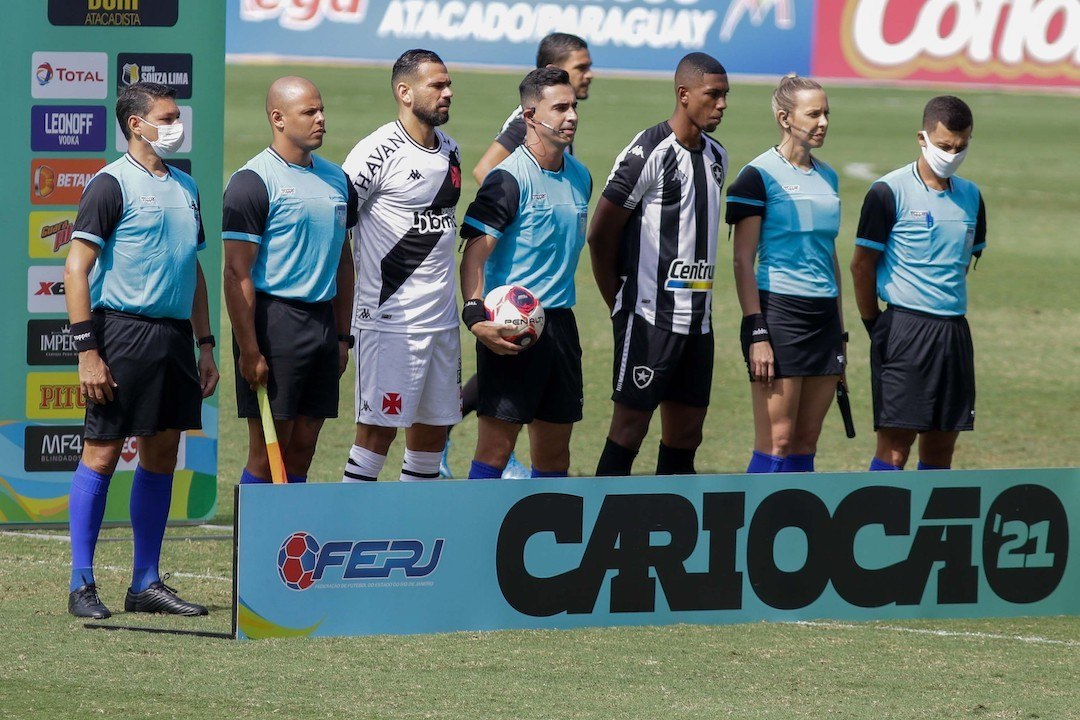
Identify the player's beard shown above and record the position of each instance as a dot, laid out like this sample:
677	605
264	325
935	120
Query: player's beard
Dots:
433	116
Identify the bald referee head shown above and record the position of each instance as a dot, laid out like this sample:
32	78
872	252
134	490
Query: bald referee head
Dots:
294	108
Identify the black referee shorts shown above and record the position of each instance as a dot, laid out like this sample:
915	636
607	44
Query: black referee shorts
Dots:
157	388
653	365
922	371
805	334
541	383
299	342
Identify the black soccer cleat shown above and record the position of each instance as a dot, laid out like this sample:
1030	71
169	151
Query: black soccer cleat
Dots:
160	598
84	603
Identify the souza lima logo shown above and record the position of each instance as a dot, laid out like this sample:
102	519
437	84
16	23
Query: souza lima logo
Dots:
302	561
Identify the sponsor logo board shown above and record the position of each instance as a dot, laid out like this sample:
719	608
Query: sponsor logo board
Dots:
49	342
45	289
50	233
114	13
172	69
52	448
81	75
67	128
54	396
61	181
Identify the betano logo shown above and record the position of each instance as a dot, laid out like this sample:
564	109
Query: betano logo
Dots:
307	15
302	561
894	38
50	233
56	181
54	396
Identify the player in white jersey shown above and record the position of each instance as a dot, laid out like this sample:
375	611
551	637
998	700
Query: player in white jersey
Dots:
407	176
653	247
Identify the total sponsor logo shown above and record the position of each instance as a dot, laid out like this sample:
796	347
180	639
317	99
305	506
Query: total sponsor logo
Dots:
172	69
52	448
186	118
45	289
58	181
50	233
49	342
959	39
696	276
71	128
302	561
122	13
54	396
306	15
69	75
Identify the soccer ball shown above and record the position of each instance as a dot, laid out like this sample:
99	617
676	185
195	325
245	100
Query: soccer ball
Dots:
296	561
517	313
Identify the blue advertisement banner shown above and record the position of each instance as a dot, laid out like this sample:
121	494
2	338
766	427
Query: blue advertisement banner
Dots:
67	128
393	558
749	36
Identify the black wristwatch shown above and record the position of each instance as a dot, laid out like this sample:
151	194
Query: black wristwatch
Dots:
208	340
351	339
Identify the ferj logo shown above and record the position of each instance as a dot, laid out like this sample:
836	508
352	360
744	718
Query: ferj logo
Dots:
302	561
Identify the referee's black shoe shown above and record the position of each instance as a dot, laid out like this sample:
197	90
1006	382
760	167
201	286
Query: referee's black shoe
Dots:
160	598
84	602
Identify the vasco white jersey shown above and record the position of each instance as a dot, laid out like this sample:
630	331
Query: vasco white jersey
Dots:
667	253
405	232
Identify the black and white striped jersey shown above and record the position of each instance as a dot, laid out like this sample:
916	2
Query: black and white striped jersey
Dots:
667	253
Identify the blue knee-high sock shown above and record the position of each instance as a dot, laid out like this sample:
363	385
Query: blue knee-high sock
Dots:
483	471
296	478
798	463
86	509
882	466
764	463
542	474
151	495
924	466
247	478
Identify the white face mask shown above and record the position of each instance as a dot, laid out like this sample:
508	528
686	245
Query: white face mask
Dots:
943	164
169	138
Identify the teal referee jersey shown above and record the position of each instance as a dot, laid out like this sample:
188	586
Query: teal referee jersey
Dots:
149	229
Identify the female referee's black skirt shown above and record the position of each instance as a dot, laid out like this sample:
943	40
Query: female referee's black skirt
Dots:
805	335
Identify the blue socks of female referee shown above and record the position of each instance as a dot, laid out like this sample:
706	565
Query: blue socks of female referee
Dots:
86	510
151	495
882	466
764	463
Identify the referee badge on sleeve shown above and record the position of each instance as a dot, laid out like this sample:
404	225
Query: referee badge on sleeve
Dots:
339	215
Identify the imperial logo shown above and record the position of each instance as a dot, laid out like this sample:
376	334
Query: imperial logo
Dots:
303	16
696	276
69	75
67	128
54	396
50	233
172	69
49	342
302	561
45	289
114	13
53	448
59	181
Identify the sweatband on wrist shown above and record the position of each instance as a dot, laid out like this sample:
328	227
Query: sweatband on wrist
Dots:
473	312
759	331
82	335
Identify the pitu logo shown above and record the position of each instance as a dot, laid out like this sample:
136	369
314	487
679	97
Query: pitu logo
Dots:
302	561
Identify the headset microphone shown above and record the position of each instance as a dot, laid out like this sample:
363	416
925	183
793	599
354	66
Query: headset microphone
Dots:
554	130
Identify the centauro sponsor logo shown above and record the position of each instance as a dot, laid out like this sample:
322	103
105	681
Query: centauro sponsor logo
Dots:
69	75
54	396
172	69
52	448
50	233
306	15
123	13
45	289
49	342
696	276
57	181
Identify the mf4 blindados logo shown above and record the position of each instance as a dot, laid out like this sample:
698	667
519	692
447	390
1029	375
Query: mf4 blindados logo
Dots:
302	561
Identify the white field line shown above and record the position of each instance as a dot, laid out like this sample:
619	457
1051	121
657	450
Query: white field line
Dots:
1032	639
114	568
35	536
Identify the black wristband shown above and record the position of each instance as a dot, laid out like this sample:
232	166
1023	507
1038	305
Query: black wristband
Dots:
82	336
351	339
473	312
869	324
208	340
758	329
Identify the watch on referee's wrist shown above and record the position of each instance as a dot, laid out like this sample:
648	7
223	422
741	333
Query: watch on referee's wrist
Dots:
208	340
346	338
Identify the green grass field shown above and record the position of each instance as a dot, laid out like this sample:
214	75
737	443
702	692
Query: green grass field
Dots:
1024	307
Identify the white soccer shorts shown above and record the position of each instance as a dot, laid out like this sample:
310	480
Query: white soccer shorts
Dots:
406	378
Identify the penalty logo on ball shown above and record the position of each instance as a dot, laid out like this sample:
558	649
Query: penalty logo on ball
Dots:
517	313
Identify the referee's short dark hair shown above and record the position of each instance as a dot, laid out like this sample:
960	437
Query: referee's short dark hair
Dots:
137	99
409	63
556	48
950	111
532	87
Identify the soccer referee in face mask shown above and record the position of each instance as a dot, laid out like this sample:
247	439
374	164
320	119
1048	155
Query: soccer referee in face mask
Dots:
919	228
